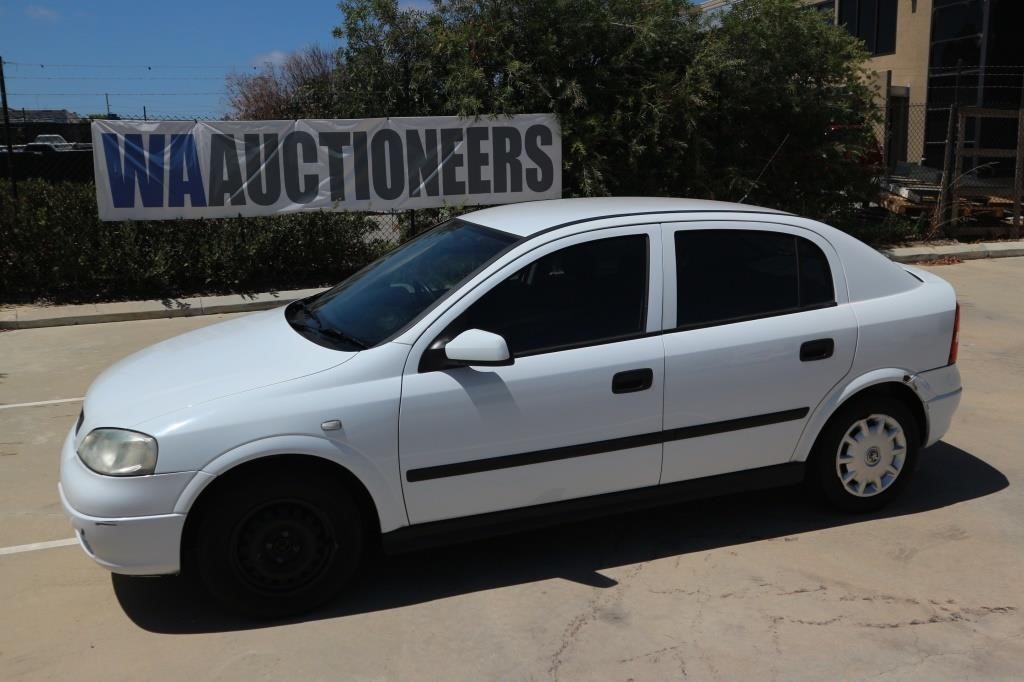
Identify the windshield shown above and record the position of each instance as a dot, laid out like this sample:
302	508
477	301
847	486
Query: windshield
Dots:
375	303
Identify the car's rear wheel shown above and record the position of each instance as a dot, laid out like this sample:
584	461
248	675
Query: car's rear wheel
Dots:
272	547
866	454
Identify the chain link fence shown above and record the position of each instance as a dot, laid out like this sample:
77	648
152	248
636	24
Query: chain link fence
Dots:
44	150
959	167
962	165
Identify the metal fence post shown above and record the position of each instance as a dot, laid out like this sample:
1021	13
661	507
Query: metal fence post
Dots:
7	132
1018	169
1018	174
942	204
887	122
958	169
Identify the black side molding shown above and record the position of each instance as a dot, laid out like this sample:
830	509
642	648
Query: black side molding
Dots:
465	529
582	450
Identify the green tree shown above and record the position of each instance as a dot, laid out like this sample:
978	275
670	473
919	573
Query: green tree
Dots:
769	102
781	111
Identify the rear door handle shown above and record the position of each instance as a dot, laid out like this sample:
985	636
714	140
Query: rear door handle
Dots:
633	380
819	349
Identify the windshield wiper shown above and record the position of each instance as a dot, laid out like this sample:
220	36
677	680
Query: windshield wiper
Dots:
341	336
329	332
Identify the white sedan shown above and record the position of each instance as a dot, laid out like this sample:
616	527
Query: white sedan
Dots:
505	369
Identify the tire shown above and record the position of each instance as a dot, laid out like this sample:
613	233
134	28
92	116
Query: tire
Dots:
866	454
279	546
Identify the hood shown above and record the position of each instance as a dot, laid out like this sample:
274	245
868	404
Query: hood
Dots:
202	365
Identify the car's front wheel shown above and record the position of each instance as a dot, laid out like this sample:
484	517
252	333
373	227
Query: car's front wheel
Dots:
279	546
866	454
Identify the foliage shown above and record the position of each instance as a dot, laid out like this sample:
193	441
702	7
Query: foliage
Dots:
299	87
879	227
56	248
769	103
588	61
776	88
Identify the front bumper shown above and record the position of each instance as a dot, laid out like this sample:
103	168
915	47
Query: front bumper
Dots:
140	545
125	524
940	390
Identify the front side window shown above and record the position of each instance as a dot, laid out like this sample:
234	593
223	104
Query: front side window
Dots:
584	294
731	275
374	304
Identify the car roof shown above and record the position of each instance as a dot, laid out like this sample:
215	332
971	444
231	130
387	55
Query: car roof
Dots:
528	218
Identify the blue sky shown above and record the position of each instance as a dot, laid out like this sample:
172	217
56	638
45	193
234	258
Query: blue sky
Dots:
123	47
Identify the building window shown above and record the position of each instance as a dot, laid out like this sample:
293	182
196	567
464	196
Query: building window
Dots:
873	21
827	10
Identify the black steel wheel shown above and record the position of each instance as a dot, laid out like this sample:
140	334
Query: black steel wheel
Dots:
273	547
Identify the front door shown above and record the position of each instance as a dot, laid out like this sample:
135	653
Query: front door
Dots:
573	415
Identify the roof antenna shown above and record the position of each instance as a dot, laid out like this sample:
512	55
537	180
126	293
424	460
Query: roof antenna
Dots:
758	178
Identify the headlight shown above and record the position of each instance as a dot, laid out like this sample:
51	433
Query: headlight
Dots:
118	452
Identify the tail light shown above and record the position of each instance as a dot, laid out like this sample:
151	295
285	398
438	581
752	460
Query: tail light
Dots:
954	344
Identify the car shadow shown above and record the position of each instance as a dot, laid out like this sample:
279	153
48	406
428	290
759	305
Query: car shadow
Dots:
576	552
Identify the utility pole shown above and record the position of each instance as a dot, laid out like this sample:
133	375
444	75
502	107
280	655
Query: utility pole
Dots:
144	116
7	131
107	97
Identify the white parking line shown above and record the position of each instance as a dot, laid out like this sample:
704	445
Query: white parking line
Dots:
31	547
42	402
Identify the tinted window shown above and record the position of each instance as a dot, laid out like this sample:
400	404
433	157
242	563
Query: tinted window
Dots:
959	20
885	32
727	275
582	294
815	275
874	21
827	10
866	22
377	302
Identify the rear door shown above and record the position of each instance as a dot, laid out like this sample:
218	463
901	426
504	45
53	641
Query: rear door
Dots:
758	330
579	411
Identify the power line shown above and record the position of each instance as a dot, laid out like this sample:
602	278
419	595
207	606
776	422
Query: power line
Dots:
130	66
112	94
116	78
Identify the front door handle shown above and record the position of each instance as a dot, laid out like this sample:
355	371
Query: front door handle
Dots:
633	380
819	349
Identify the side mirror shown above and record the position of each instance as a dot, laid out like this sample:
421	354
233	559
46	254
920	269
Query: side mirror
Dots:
477	347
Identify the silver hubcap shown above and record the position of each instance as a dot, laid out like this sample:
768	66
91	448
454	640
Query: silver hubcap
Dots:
871	455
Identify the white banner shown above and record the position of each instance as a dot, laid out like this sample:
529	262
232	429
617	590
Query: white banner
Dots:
214	169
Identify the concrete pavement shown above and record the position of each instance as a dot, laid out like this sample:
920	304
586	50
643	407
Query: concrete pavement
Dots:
753	586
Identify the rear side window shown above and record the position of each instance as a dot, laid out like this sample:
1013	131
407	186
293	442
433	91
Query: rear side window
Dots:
584	294
732	275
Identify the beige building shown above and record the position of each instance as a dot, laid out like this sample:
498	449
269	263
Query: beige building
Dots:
898	35
928	54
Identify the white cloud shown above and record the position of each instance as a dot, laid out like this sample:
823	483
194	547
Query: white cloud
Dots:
41	13
274	57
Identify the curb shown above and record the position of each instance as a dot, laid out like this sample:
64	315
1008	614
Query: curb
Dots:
924	254
35	317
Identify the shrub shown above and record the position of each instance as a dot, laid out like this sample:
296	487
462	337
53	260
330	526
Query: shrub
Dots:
54	247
